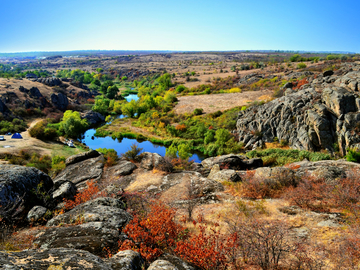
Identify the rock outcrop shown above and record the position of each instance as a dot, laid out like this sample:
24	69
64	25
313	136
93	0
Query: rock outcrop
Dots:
60	101
150	161
92	117
98	226
323	113
56	258
19	183
49	81
82	168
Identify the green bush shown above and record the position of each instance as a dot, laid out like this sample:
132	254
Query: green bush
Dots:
198	111
353	156
301	65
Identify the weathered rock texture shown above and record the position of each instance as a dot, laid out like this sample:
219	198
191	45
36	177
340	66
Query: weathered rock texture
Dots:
60	101
20	182
92	117
97	224
82	168
324	112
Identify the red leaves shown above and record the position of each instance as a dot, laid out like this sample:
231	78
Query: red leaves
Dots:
154	234
205	249
91	192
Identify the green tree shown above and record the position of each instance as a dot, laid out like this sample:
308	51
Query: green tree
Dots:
112	92
184	151
165	81
222	136
129	109
171	151
72	124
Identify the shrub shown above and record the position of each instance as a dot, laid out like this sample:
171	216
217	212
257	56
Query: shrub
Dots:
91	192
154	234
134	151
353	155
110	156
198	111
301	65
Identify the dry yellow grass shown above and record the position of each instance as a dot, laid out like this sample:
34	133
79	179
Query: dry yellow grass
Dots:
145	180
218	102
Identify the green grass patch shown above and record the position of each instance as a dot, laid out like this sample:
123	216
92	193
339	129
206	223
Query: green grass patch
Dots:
280	157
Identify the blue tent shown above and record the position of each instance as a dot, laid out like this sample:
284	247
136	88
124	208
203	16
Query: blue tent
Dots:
16	136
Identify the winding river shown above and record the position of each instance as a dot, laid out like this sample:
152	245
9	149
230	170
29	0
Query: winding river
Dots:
123	145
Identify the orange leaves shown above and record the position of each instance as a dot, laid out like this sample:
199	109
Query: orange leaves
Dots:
181	127
154	234
205	249
91	192
300	83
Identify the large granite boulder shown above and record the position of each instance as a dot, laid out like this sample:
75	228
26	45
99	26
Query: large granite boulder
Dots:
83	171
81	157
322	114
60	101
35	92
122	168
92	117
18	184
231	161
56	258
126	260
97	224
150	161
223	175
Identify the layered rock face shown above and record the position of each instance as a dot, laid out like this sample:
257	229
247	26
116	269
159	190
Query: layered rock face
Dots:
324	112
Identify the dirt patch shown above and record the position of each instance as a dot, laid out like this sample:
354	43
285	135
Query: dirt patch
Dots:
219	102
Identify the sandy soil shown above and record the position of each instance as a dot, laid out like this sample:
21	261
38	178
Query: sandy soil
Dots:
219	102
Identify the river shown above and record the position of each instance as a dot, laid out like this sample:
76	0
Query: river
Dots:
123	145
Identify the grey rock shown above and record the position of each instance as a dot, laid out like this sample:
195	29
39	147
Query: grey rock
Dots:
36	213
307	119
84	237
64	190
126	260
57	258
81	157
92	117
101	221
18	182
109	211
223	175
60	101
80	173
123	167
231	161
150	161
178	185
35	93
177	262
162	265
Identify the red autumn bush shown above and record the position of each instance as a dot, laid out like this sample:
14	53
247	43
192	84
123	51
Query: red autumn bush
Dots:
153	235
205	249
87	194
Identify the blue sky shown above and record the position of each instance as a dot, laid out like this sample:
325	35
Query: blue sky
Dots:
47	25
